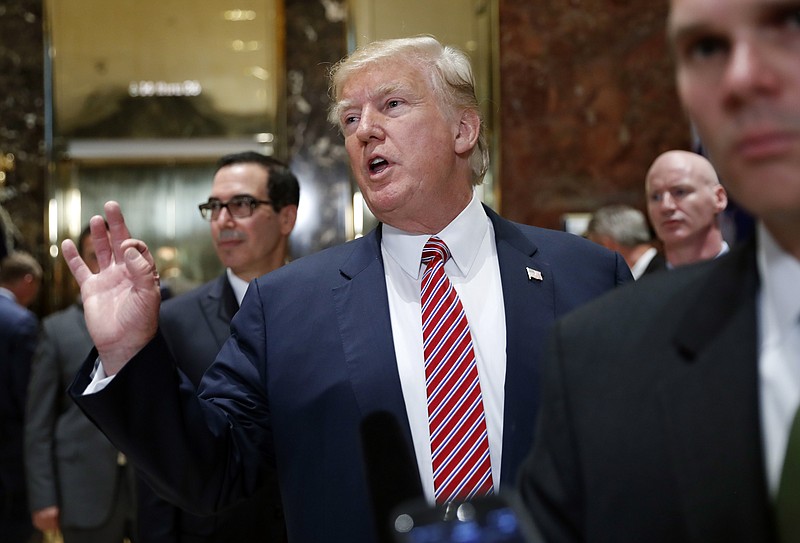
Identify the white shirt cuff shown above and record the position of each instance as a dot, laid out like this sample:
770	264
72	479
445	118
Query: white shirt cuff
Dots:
99	378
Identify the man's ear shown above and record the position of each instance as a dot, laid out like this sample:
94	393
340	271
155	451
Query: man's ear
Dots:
722	198
286	218
469	127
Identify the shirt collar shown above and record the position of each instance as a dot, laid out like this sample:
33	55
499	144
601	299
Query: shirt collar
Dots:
780	275
460	236
238	285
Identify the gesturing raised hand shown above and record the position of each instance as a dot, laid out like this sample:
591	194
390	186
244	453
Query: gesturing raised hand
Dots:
122	300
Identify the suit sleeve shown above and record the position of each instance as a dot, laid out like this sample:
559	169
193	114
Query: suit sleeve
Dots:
550	478
22	354
200	454
41	413
624	274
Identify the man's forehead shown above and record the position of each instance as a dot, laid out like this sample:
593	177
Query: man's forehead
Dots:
379	78
685	14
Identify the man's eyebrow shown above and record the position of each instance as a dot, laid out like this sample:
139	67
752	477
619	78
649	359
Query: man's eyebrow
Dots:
677	33
380	91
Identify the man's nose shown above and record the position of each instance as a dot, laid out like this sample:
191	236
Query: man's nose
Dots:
667	202
369	124
749	71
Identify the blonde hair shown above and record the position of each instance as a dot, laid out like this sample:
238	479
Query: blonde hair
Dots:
449	72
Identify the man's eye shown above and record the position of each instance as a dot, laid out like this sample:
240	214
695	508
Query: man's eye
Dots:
350	119
791	19
392	103
239	203
703	48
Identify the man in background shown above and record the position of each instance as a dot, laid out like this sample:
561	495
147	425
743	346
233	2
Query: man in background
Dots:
252	210
78	483
624	229
684	203
670	410
20	279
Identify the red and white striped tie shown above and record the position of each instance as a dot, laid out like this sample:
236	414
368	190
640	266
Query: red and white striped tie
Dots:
456	419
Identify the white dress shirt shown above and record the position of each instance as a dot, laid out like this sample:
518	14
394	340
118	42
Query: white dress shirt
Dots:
779	350
638	268
475	273
238	285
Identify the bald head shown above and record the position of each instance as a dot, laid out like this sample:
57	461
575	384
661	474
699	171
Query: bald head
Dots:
687	163
684	198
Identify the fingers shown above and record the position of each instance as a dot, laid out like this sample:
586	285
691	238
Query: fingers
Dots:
118	231
102	247
77	266
140	263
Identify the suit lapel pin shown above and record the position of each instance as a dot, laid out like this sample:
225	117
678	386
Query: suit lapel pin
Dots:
534	275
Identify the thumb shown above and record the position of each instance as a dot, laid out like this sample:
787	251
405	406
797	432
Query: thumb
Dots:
141	269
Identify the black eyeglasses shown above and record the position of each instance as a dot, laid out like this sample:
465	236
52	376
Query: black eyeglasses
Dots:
240	207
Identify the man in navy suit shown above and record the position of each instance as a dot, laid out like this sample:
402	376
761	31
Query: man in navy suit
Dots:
251	211
20	279
325	341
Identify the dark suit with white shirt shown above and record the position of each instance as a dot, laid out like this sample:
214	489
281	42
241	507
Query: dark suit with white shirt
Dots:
312	354
650	425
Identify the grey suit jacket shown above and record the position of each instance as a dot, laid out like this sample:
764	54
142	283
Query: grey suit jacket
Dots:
69	462
649	427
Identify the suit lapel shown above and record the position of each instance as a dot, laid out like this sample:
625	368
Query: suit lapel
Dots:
712	407
529	310
219	306
362	313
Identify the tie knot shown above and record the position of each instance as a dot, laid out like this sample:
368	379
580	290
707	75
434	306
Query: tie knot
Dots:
435	248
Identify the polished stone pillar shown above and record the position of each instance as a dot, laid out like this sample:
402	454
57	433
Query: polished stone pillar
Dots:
22	158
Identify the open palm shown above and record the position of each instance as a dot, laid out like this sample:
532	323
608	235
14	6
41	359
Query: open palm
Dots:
121	301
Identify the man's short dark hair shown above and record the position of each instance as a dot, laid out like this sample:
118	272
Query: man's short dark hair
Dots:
282	187
17	265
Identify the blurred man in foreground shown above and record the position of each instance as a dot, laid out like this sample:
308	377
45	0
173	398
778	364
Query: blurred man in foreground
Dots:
669	410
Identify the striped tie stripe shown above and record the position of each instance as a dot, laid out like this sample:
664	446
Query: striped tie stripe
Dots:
457	423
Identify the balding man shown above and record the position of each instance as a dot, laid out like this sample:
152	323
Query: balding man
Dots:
684	200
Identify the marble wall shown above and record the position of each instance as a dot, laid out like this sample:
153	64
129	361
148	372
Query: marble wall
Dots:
22	157
587	100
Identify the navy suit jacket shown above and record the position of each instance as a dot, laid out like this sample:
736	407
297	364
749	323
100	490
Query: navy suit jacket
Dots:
195	325
311	354
19	329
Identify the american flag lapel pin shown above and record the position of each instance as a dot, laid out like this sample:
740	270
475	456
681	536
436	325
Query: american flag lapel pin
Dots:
534	275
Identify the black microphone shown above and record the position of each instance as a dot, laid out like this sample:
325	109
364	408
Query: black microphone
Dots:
391	469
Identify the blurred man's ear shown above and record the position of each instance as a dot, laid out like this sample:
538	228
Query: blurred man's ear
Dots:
721	196
287	217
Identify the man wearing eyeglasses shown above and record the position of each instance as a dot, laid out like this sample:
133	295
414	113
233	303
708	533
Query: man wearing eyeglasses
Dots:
252	210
